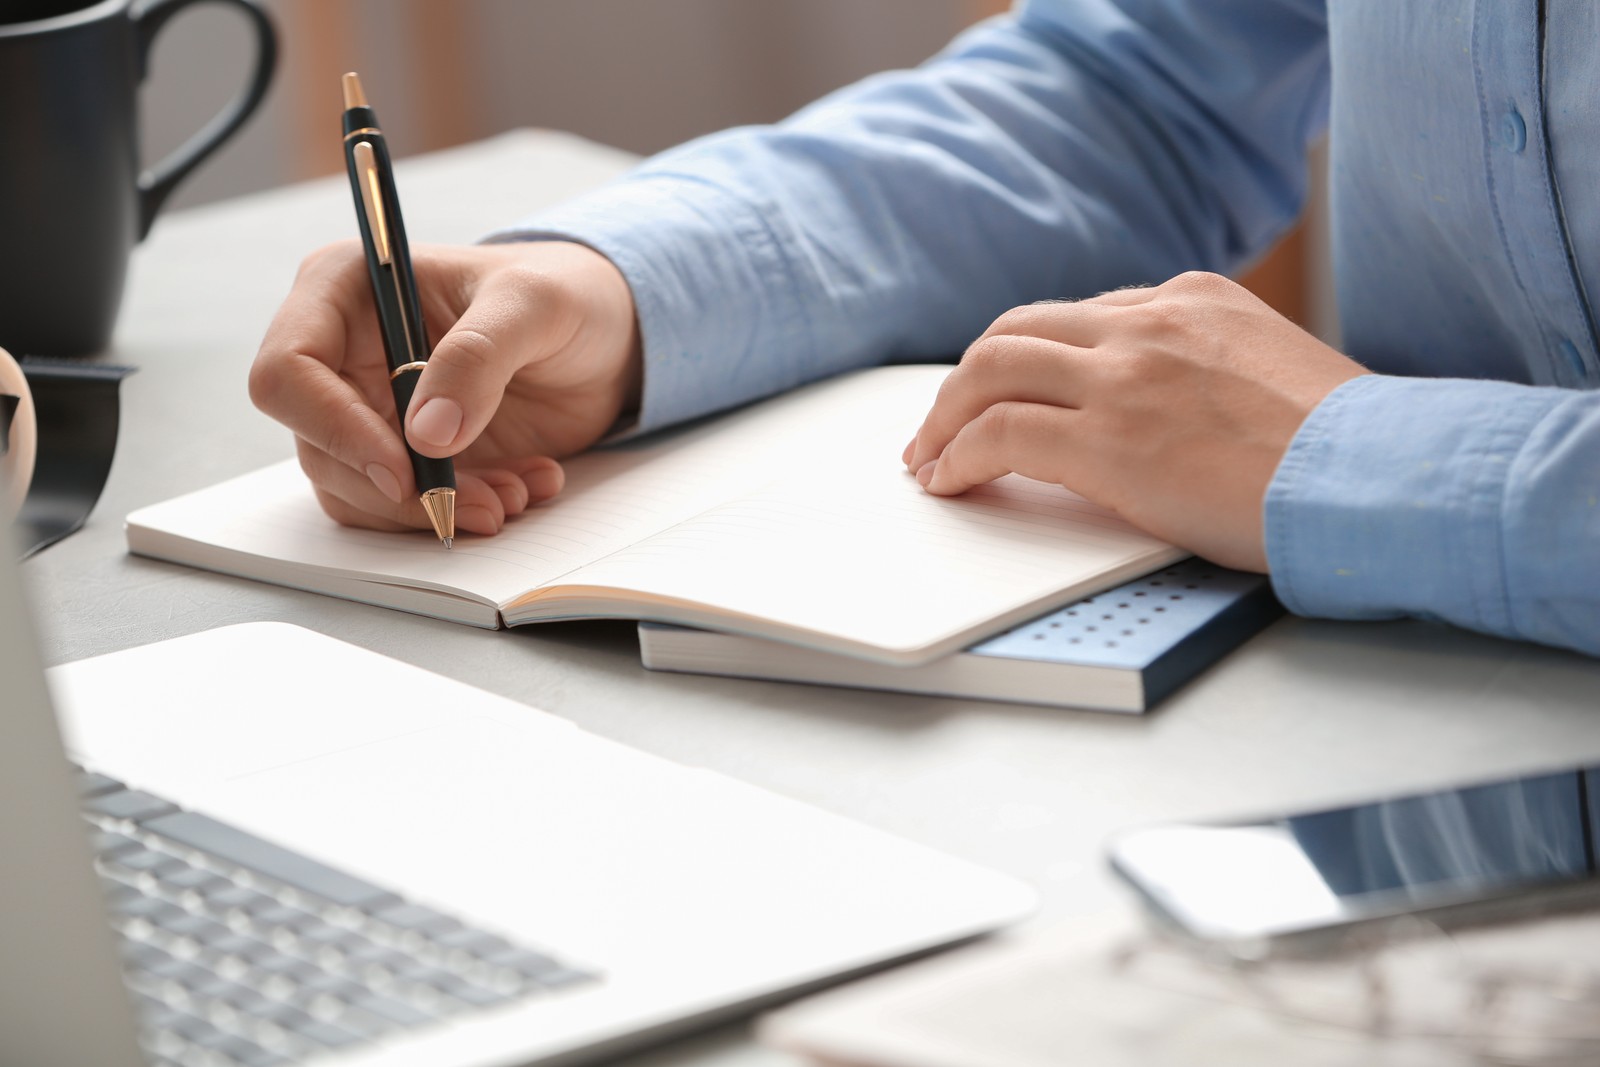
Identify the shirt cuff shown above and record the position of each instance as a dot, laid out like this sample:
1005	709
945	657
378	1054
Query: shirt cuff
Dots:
721	315
1390	500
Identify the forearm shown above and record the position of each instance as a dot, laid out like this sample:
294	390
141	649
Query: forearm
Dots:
1473	502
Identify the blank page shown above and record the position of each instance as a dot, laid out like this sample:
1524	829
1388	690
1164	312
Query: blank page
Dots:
861	555
268	525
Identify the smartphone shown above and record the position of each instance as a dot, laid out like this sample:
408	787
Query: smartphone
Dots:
1475	853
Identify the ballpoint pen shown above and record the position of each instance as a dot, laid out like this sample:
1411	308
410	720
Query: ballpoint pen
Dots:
394	290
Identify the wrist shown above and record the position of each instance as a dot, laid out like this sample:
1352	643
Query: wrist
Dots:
619	309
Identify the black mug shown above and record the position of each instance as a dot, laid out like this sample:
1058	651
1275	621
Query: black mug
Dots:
73	201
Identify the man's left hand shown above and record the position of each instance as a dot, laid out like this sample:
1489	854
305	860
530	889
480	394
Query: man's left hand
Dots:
1172	405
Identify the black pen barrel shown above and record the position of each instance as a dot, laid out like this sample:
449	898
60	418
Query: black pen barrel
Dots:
431	473
359	118
394	291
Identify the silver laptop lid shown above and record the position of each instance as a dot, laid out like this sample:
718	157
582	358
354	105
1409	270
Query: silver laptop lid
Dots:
62	1002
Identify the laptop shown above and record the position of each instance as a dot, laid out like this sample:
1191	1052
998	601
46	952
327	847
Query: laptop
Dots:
272	847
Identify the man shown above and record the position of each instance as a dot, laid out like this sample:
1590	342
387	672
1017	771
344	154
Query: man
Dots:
1080	147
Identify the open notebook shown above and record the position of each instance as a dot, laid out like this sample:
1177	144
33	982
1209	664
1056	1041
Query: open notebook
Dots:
791	519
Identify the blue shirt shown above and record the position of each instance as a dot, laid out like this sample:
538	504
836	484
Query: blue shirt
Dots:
1080	145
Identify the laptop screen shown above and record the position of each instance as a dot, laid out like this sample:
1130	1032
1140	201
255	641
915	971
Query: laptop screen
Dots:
62	1001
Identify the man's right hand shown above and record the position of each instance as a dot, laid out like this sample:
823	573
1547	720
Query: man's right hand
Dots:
537	356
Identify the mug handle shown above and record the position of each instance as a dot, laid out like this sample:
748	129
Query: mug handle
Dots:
157	182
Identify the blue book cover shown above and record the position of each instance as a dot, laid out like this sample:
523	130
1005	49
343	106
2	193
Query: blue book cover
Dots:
1121	650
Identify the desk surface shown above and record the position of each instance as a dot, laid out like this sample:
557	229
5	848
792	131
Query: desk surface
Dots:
1307	712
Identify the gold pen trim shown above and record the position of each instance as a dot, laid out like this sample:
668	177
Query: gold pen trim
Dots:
372	201
354	95
366	161
363	130
415	365
440	504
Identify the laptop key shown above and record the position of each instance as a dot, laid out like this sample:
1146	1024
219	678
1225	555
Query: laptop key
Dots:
152	909
206	834
525	962
290	967
283	1014
331	984
194	879
326	1033
92	784
107	843
142	954
155	1015
425	974
371	953
192	1027
417	917
390	1008
475	995
231	1046
236	946
127	804
248	1001
363	1024
564	978
229	896
272	914
120	895
319	936
146	861
206	985
477	942
181	971
262	1057
199	928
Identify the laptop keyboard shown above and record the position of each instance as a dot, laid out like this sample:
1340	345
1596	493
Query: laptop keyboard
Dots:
239	951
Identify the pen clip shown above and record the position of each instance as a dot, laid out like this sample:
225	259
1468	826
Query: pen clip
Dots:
372	201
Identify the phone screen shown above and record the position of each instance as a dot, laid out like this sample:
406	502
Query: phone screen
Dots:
1319	869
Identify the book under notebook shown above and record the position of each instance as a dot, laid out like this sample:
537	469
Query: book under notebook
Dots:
792	520
1124	649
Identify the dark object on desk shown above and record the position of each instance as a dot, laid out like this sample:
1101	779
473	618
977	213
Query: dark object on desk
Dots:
394	291
78	411
73	202
1122	650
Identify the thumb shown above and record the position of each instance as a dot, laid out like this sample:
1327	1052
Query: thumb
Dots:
460	390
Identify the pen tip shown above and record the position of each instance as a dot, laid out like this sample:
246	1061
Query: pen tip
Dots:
353	96
440	504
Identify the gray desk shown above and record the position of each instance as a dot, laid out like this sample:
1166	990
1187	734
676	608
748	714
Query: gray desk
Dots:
1308	712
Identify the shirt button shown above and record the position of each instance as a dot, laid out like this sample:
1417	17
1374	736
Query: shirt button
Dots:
1513	131
1570	350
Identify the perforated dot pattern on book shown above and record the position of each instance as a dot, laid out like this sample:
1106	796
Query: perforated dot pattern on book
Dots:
1132	624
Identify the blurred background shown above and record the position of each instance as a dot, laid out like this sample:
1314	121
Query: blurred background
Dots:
636	74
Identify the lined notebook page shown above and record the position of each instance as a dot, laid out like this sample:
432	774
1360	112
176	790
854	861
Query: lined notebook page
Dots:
861	555
267	525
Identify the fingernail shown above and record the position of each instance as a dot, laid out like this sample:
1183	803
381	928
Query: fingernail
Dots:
905	453
475	519
384	479
437	422
925	472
